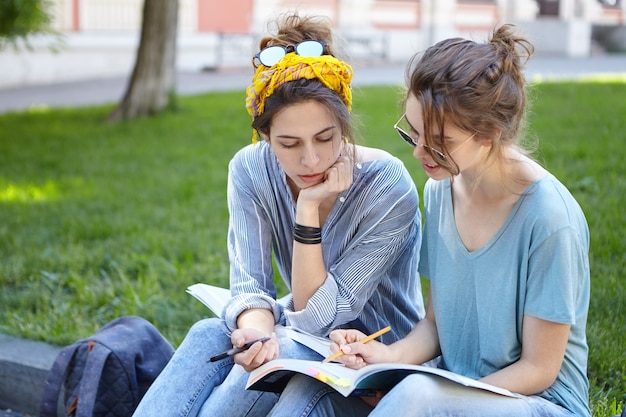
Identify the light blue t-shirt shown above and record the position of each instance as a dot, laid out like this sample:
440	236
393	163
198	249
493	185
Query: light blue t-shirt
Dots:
537	264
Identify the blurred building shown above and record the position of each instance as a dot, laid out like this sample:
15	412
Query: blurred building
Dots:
101	36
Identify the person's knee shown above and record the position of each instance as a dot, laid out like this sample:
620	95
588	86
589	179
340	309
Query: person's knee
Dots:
298	384
206	326
419	391
206	335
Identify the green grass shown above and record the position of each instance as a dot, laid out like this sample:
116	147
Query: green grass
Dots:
100	220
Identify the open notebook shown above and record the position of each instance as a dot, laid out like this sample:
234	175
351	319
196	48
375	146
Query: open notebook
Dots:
215	299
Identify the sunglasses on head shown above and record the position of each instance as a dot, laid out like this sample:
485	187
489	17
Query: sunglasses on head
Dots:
272	54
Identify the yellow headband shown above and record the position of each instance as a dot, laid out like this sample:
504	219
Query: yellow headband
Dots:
333	73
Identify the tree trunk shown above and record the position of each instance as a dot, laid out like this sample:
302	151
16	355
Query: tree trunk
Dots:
153	82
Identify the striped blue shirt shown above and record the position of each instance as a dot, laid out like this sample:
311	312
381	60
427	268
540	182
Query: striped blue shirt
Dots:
370	245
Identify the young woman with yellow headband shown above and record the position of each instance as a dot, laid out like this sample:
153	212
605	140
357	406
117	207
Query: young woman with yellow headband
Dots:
340	221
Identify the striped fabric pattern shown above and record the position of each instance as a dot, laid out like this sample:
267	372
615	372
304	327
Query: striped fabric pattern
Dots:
370	244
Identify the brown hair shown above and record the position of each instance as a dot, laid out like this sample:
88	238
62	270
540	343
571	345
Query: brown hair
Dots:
478	87
292	28
289	30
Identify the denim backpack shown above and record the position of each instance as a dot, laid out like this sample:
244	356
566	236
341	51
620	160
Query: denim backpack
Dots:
107	374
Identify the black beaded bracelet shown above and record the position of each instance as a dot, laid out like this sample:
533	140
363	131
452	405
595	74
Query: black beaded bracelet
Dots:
307	234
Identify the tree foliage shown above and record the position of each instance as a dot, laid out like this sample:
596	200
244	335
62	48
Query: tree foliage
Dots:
20	19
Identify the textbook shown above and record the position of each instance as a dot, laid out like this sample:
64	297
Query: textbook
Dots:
215	299
274	376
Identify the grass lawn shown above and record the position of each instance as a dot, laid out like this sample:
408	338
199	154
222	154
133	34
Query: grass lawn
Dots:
98	220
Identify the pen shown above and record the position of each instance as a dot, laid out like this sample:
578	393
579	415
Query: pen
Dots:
236	350
364	340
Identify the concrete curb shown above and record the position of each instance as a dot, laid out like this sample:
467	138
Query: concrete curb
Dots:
24	366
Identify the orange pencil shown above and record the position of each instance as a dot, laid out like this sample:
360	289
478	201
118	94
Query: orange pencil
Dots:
364	340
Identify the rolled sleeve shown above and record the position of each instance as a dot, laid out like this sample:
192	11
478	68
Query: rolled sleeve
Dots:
242	302
319	315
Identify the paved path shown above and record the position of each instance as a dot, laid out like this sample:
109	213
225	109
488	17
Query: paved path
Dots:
110	90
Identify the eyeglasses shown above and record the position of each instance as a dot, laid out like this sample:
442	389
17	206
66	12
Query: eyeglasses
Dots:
437	153
272	54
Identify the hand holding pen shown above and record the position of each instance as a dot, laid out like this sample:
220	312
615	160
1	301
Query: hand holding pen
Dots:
363	341
235	350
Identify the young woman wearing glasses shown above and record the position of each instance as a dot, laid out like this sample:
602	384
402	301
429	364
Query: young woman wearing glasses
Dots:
505	248
341	222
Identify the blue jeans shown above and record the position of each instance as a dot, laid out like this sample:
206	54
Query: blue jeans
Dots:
189	386
418	395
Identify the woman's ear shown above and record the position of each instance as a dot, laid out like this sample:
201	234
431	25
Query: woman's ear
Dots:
265	136
490	138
